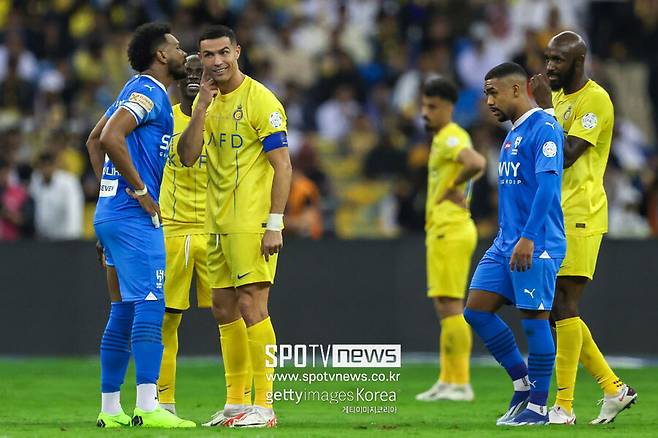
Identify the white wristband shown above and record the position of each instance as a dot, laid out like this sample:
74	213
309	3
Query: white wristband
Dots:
142	192
274	222
550	111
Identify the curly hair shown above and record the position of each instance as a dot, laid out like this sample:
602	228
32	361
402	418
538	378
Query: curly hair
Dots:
141	50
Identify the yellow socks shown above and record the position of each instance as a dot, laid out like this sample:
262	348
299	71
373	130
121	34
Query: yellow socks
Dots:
235	351
569	344
167	379
595	363
456	343
261	334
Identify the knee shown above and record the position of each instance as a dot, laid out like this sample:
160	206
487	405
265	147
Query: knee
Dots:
564	307
224	311
251	309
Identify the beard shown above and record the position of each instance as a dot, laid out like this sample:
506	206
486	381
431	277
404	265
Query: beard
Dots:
563	78
178	72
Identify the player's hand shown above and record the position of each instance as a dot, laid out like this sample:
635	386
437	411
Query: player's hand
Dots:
521	259
541	90
149	206
455	196
100	253
207	91
271	244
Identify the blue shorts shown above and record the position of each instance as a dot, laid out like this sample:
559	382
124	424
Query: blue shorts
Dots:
136	249
533	289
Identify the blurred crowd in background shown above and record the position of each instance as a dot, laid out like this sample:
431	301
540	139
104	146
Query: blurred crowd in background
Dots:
349	75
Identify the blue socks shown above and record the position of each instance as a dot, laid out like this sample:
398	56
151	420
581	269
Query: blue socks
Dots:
147	340
115	346
541	358
499	340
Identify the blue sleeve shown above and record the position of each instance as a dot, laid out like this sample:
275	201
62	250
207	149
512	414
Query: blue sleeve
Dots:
275	141
143	99
549	147
548	187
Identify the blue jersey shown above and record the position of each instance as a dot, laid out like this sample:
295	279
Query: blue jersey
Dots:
148	144
534	145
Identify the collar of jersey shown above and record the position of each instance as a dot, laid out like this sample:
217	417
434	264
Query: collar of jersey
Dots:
524	117
160	84
244	81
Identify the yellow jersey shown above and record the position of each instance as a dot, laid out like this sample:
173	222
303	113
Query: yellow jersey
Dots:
183	189
442	170
588	114
239	173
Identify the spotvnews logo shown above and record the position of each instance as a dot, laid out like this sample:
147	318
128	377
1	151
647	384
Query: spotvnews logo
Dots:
334	355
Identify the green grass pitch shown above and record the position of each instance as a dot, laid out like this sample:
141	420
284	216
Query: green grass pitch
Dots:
59	398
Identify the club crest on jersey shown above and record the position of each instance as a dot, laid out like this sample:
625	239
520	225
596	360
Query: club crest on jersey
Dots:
238	114
517	142
508	145
567	113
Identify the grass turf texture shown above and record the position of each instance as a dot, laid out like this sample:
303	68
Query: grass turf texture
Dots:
59	397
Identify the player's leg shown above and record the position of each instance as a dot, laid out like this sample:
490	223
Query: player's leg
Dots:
534	291
492	274
115	344
139	256
448	264
574	339
253	279
178	279
115	354
232	330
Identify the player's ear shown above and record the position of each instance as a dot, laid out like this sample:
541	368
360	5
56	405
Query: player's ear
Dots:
161	55
237	51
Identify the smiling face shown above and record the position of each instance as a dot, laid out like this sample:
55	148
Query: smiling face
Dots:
219	58
189	86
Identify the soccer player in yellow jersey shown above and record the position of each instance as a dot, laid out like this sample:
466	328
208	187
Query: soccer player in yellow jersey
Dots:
183	207
450	236
586	114
249	174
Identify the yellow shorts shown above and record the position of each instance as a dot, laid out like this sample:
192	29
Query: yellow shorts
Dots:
582	254
186	257
235	260
449	256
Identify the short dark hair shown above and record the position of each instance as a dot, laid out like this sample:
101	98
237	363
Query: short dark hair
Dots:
145	40
440	86
218	31
506	69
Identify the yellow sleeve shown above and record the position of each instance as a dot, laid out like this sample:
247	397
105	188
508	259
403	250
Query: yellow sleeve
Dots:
267	115
454	144
592	114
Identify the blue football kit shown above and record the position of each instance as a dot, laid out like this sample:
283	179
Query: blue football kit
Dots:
130	241
529	178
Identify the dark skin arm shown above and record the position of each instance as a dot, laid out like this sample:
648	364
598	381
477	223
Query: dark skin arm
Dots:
96	154
574	147
113	143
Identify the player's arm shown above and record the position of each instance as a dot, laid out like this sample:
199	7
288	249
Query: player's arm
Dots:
574	147
96	154
548	187
190	143
279	158
473	164
113	143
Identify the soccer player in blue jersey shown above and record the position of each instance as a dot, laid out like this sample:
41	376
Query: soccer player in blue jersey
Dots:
522	264
132	141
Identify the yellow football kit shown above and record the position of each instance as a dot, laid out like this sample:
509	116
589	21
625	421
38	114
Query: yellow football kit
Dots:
587	114
450	232
183	205
238	126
